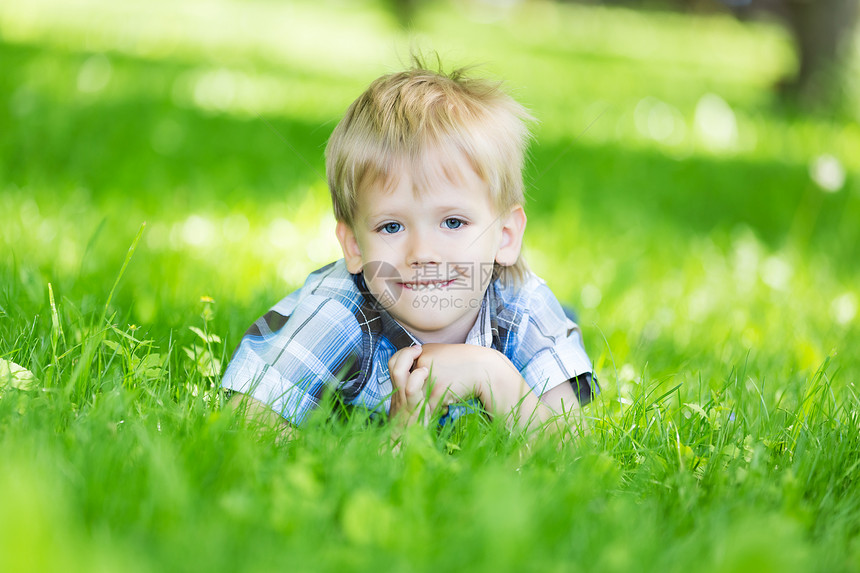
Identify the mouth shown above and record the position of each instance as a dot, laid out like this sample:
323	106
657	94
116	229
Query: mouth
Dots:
421	286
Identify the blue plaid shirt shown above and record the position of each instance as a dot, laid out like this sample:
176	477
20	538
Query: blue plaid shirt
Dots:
333	335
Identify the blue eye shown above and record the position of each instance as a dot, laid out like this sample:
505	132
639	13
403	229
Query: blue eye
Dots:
453	223
390	228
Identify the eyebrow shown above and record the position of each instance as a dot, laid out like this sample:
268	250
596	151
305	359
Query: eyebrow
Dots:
449	209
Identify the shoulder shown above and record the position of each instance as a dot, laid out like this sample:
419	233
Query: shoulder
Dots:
530	299
331	285
307	333
530	319
542	342
334	282
329	298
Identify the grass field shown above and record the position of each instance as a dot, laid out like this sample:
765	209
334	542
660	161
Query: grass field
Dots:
706	233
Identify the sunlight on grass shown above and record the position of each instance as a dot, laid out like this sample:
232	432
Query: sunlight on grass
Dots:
691	76
225	31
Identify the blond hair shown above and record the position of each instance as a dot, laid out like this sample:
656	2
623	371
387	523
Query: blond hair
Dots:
403	116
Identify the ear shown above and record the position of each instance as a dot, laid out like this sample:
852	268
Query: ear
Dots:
349	246
513	227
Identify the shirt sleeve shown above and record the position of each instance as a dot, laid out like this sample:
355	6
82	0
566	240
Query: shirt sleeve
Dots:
549	349
289	358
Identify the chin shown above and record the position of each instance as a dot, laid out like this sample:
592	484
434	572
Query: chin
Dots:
435	324
427	327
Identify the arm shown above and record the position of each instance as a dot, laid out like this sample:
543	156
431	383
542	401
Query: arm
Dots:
509	393
259	416
291	356
459	371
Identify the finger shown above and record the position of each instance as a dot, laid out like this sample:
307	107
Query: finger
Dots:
415	395
438	395
415	383
401	363
445	396
425	359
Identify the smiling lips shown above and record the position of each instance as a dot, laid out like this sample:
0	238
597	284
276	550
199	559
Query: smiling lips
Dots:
420	286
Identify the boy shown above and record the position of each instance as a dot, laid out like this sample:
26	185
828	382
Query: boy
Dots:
425	176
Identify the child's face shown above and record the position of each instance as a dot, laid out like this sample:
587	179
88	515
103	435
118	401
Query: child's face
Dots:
427	254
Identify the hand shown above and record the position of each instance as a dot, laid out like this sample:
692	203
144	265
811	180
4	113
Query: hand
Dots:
408	397
458	372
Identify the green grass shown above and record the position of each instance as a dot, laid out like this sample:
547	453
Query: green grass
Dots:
715	281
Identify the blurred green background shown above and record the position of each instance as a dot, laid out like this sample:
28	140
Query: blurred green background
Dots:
703	224
671	190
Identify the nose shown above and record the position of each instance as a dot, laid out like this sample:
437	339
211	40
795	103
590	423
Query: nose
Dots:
421	249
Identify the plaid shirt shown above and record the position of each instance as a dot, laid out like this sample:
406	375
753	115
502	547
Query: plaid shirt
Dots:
332	334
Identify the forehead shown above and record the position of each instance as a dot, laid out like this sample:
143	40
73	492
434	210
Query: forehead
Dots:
431	174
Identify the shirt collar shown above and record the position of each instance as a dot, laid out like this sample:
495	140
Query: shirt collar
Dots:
485	331
378	319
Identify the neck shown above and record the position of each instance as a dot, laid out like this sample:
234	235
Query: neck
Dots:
452	334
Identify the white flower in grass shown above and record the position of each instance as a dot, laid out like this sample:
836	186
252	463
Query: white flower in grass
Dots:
16	376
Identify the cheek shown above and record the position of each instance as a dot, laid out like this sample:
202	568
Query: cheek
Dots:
367	246
379	254
487	246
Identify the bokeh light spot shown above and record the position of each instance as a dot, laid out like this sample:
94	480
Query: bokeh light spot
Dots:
844	308
94	74
591	296
776	272
827	172
715	123
282	233
198	231
659	121
235	227
215	90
